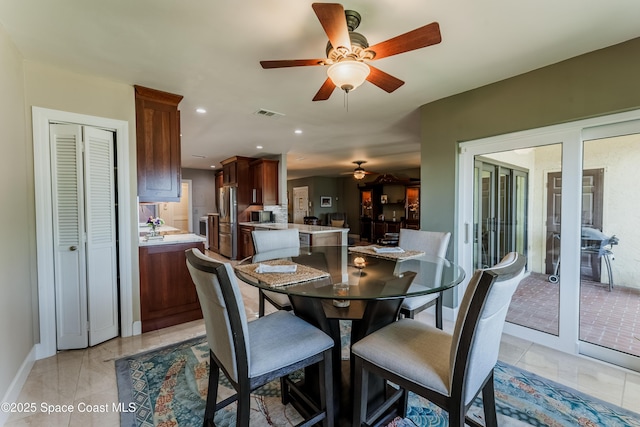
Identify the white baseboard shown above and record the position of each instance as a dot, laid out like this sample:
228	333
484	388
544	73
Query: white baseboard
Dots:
18	382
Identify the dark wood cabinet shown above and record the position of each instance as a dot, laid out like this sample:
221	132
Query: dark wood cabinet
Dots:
236	172
379	228
264	173
167	293
214	232
245	242
230	173
158	145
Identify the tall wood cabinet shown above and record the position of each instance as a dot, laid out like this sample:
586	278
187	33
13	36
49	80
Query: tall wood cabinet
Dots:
265	182
158	145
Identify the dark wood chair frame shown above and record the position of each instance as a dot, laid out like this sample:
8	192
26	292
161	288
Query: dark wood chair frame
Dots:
453	404
245	385
262	297
437	302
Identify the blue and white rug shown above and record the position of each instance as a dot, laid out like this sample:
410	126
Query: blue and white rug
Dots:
169	386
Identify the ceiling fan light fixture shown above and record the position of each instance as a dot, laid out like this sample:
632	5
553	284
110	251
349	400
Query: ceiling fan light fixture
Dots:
359	173
349	74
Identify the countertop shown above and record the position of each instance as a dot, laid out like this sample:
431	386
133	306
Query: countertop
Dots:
170	239
302	228
171	235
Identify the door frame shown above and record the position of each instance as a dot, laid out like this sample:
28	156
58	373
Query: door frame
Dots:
41	118
571	135
295	190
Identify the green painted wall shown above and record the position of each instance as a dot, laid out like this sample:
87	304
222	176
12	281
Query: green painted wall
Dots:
595	84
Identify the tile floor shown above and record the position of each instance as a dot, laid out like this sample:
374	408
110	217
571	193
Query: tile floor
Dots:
88	376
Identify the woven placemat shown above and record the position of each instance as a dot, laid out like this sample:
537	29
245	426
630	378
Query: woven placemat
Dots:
303	273
368	250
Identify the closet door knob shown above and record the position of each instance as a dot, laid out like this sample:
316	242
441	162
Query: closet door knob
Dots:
73	248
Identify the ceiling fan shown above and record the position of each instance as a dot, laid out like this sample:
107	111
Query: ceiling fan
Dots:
359	172
348	52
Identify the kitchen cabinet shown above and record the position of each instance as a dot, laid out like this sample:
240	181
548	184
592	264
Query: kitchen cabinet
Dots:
230	173
264	173
167	293
245	242
236	173
214	232
158	145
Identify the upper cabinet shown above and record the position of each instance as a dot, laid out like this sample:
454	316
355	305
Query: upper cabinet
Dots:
158	145
265	182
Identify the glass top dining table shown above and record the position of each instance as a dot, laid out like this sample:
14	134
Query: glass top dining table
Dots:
368	275
327	285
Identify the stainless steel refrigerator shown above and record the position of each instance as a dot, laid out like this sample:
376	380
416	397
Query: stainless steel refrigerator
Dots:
228	222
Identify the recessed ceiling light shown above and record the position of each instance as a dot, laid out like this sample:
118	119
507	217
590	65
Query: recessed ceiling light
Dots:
201	110
298	131
259	147
213	166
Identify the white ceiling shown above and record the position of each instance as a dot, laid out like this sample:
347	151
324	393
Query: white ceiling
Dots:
209	51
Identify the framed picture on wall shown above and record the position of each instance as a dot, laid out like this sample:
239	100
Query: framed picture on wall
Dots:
325	201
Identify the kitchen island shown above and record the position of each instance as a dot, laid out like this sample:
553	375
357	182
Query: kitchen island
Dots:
310	235
167	294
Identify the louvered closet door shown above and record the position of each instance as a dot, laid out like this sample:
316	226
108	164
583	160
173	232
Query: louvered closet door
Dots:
102	295
68	231
84	236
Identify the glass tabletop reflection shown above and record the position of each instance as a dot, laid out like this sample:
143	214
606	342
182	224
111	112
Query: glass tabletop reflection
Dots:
347	273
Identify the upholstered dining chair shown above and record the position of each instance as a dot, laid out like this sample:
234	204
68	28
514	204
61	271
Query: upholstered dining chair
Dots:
272	244
337	219
449	370
251	354
431	243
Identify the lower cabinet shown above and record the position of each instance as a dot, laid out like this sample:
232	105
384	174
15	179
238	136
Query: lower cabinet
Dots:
245	242
167	293
214	233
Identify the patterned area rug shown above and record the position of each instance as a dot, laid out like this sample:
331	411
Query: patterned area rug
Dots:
168	387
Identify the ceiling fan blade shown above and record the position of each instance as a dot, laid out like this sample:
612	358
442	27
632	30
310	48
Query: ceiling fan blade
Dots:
291	63
334	22
416	39
325	90
383	80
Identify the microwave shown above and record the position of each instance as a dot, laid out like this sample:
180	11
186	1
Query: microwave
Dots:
261	216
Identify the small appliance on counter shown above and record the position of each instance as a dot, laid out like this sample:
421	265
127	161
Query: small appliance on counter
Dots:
262	216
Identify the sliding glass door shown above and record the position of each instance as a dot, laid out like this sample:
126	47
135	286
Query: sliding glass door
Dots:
500	223
564	196
610	248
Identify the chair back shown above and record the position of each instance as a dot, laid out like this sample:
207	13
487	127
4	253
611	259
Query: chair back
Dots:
337	219
223	311
430	242
273	244
478	329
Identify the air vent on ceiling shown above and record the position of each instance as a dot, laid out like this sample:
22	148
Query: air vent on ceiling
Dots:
266	113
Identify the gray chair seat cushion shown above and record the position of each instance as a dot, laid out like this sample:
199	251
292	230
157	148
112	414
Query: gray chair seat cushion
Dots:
281	299
412	350
411	303
274	342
